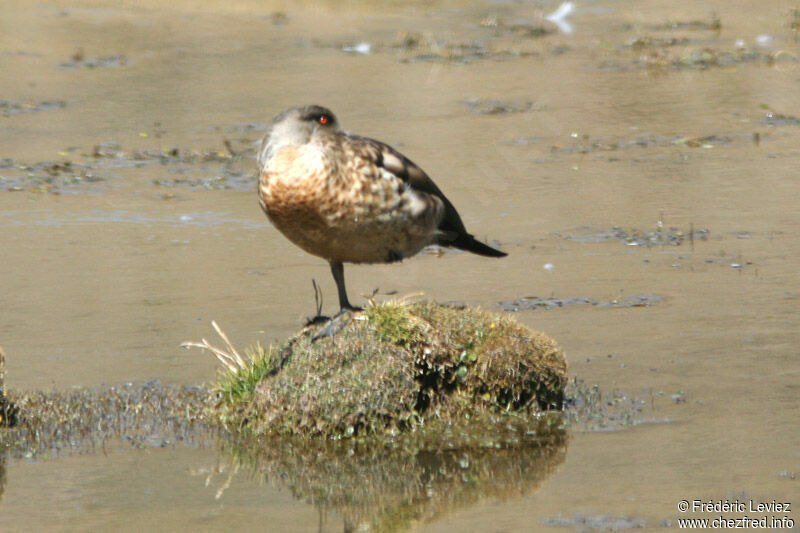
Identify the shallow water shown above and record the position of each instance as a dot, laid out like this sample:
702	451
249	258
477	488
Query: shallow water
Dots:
104	276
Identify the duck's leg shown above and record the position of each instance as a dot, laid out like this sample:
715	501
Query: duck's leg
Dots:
338	321
337	269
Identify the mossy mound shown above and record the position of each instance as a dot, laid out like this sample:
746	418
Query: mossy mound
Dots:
404	368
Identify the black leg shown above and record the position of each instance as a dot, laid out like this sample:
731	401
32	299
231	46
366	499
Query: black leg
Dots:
337	269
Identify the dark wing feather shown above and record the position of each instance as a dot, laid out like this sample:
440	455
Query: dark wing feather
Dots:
453	232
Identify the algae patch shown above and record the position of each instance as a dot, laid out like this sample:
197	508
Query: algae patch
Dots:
150	414
457	375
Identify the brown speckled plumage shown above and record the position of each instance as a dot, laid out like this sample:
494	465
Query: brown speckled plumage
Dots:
349	199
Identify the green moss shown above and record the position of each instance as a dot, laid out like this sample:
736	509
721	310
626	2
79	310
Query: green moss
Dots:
394	324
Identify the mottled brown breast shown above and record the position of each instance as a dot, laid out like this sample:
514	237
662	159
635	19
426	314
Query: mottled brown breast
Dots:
337	204
291	189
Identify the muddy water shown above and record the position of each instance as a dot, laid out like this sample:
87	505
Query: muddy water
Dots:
624	123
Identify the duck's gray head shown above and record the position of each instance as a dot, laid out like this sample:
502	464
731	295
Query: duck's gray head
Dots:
295	127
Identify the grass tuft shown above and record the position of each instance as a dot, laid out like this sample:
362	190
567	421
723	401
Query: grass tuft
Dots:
241	384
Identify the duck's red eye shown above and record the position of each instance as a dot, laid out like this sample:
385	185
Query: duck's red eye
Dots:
323	119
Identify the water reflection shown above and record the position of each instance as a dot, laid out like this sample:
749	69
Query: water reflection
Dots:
379	489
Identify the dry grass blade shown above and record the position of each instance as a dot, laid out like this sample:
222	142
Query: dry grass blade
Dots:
230	358
239	359
223	357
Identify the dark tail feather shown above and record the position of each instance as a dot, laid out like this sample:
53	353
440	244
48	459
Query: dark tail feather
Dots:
467	242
